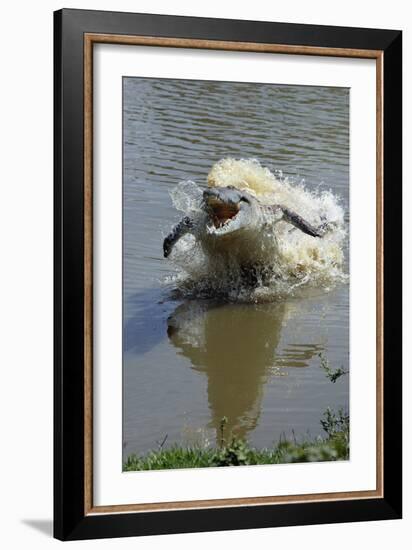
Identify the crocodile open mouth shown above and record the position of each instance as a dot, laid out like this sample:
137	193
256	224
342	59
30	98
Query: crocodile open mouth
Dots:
221	212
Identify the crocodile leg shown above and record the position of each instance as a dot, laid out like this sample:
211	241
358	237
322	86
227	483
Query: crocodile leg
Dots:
184	226
300	223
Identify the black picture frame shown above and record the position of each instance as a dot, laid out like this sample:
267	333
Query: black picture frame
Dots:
70	520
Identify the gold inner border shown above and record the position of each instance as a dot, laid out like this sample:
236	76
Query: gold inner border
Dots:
89	40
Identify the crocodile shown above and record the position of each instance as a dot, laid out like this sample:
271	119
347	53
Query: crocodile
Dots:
232	222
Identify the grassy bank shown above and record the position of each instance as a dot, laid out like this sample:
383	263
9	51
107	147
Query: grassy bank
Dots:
236	452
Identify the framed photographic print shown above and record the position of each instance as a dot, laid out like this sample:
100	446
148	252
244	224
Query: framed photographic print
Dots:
227	274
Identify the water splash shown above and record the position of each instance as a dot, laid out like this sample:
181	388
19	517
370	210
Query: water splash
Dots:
290	260
187	197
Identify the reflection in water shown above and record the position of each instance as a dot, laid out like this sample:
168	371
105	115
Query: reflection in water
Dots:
235	345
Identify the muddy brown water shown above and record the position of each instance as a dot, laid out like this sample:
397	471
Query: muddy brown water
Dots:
188	363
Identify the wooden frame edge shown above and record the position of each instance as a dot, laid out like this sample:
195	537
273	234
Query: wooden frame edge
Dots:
89	40
231	502
88	276
206	44
379	273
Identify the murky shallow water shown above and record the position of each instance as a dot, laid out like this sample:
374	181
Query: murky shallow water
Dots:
188	363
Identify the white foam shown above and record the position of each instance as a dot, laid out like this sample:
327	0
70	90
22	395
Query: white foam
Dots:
297	261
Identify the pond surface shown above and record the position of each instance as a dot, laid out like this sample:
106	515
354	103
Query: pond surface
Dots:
188	363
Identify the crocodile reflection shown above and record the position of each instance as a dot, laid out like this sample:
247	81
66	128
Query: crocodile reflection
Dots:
235	345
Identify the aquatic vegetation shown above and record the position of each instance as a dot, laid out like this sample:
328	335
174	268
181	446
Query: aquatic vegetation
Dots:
331	374
335	423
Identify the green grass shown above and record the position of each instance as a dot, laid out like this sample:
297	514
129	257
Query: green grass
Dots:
236	452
